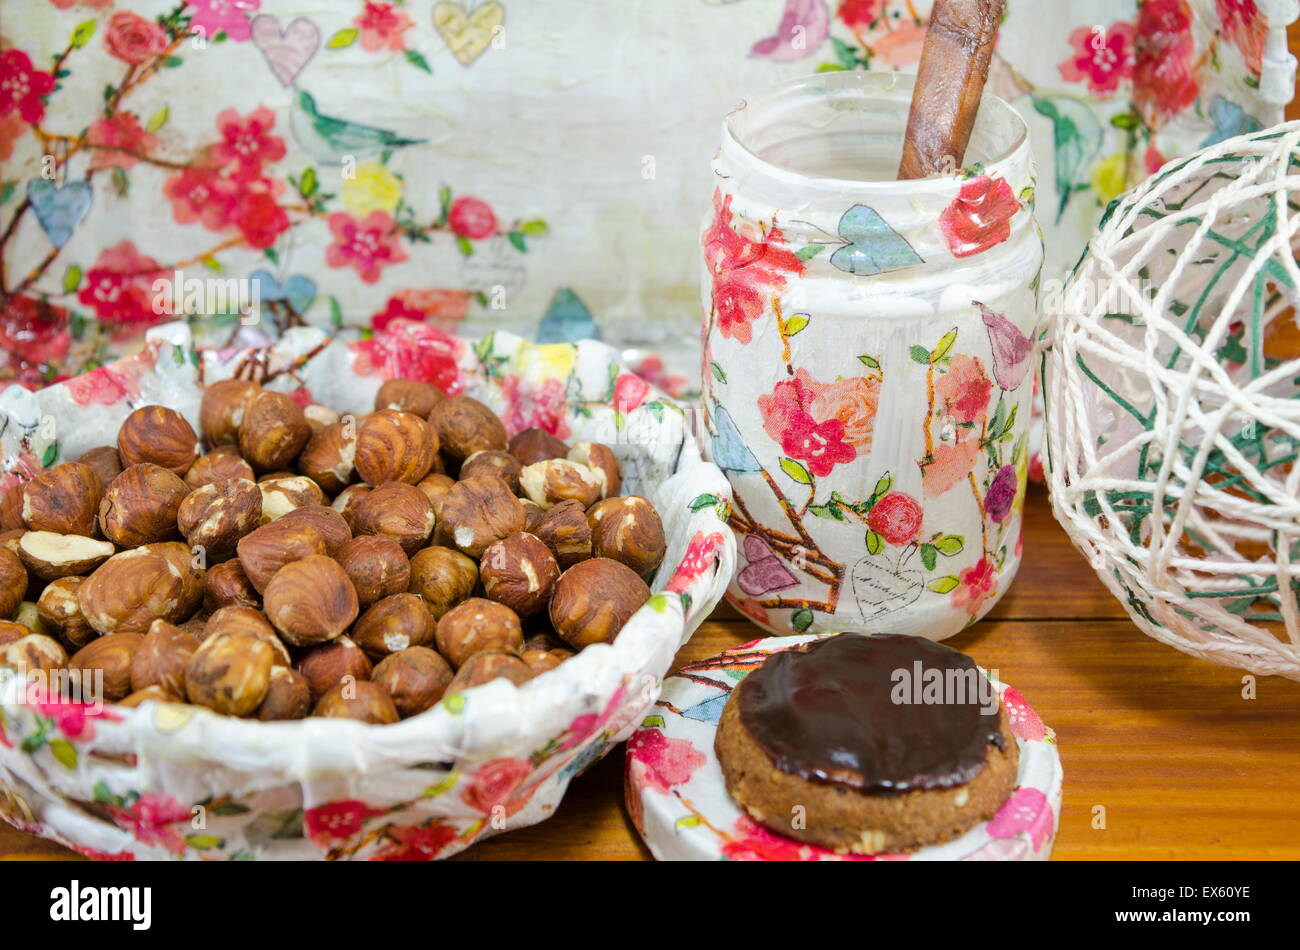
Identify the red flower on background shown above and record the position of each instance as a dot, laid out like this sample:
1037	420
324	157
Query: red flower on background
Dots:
540	404
896	518
337	821
415	842
22	87
381	26
977	585
34	331
246	142
150	819
395	309
699	557
858	15
744	271
200	193
75	720
367	245
133	39
664	762
119	140
409	350
1245	29
1163	81
496	783
472	218
979	217
119	286
1101	58
259	219
630	392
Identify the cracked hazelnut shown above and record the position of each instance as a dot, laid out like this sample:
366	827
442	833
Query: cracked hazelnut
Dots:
395	446
594	599
159	435
415	678
392	624
465	426
50	556
105	461
140	505
311	601
282	495
599	458
24	651
476	512
161	657
365	701
273	432
265	550
227	584
443	577
347	500
520	572
222	409
230	674
493	462
287	696
217	467
628	530
13	583
113	655
331	525
130	591
395	510
567	532
328	664
476	625
61	613
536	445
217	515
63	499
330	456
408	395
550	482
377	567
487	666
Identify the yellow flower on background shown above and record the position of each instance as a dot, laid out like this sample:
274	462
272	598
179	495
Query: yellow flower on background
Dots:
1109	177
373	188
540	361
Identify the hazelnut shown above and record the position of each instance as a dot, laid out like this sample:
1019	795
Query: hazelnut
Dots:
543	661
364	701
330	456
395	510
415	678
394	623
478	511
318	416
161	657
395	446
435	487
29	617
217	467
327	665
487	666
331	525
536	445
533	515
50	556
465	426
345	503
443	577
628	530
599	458
477	625
284	494
265	550
493	462
150	693
273	431
159	435
140	505
544	641
113	655
248	621
230	673
227	584
11	508
9	539
182	560
13	583
31	651
222	409
128	592
61	613
376	566
520	572
408	395
556	480
104	460
63	499
311	601
288	696
594	599
217	515
567	532
12	630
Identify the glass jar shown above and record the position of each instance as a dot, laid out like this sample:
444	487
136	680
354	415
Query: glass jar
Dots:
867	356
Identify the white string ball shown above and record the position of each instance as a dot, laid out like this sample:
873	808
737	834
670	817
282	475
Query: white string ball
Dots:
1172	385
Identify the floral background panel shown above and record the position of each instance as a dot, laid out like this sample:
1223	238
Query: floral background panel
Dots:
528	166
678	799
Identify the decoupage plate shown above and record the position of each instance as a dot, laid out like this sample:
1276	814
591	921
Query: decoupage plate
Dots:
679	802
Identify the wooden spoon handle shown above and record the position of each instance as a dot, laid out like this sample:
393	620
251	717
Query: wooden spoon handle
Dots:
949	83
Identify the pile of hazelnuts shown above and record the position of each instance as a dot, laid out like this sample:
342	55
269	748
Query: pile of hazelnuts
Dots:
315	564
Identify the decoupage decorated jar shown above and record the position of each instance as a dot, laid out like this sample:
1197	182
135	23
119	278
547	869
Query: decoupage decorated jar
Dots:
867	347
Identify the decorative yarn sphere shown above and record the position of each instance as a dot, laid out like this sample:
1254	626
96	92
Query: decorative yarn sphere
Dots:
1171	377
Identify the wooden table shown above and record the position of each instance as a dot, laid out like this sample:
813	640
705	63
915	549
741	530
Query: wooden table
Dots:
1163	756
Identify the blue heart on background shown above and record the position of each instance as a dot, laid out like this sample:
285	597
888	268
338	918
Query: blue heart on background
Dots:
59	210
730	453
1229	120
874	247
298	290
567	320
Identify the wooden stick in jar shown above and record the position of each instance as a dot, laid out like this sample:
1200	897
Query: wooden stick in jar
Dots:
949	83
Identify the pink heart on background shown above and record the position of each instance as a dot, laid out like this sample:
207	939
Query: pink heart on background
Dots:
765	571
1011	348
287	51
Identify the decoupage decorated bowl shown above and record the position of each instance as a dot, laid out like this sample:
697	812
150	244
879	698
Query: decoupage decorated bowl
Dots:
169	781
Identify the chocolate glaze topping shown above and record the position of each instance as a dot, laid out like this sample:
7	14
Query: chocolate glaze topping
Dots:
827	712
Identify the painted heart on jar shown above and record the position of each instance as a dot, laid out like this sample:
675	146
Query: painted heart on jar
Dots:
880	591
871	246
765	572
59	209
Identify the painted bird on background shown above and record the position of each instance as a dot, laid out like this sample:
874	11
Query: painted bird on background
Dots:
331	140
